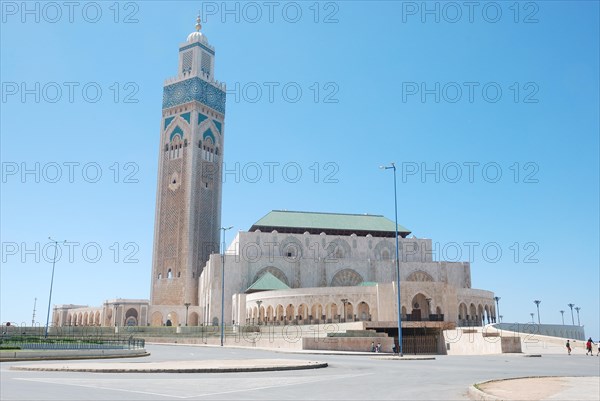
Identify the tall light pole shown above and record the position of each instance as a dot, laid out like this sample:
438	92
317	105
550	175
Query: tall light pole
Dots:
562	315
497	299
572	318
537	303
187	307
532	321
392	166
33	316
51	284
500	316
578	308
223	229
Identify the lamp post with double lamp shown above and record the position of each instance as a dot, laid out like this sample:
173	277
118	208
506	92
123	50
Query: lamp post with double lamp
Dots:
537	303
344	301
223	229
572	318
578	308
187	307
51	284
392	166
562	315
497	299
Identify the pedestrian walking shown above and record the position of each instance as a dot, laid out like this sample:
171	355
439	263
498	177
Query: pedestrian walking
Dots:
568	347
588	347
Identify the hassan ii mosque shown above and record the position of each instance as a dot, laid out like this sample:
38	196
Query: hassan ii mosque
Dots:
288	268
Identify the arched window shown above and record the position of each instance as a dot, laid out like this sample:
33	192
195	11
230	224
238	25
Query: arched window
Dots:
169	274
159	276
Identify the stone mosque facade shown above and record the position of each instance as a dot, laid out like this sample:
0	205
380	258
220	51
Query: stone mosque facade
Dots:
289	267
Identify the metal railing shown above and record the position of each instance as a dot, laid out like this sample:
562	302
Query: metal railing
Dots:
22	342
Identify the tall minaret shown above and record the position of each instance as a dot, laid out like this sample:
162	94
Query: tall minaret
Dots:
188	197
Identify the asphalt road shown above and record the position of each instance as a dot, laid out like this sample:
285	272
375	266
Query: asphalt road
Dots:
347	377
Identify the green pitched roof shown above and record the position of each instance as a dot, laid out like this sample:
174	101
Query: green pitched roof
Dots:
330	223
267	282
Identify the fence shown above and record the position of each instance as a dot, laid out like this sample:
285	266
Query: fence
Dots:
70	343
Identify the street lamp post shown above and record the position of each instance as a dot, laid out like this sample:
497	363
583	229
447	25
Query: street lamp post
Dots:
497	299
578	308
187	306
223	229
500	316
537	303
392	166
562	315
344	301
258	311
532	321
572	318
51	284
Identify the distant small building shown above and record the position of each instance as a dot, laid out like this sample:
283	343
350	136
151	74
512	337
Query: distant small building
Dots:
115	312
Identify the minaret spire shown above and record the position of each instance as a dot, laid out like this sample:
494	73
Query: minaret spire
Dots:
198	25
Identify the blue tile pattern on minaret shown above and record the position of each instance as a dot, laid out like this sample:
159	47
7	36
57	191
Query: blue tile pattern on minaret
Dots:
192	89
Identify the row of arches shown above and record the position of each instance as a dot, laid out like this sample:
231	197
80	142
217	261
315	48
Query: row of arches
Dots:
94	318
343	278
84	319
346	309
308	314
475	315
291	247
209	150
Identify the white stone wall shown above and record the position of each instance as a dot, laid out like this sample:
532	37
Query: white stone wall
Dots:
323	269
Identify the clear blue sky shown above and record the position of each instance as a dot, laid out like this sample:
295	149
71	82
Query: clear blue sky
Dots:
372	62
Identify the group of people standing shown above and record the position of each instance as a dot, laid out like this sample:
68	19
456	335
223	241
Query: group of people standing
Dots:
588	347
375	348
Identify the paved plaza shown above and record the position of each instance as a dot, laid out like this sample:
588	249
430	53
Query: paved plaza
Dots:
347	377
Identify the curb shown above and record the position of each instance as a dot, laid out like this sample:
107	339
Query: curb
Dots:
404	358
315	365
477	394
59	356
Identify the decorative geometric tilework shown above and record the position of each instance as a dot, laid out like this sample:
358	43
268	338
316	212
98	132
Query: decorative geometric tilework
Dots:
184	48
201	118
176	131
194	89
186	64
186	117
168	121
209	133
205	64
346	278
218	125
